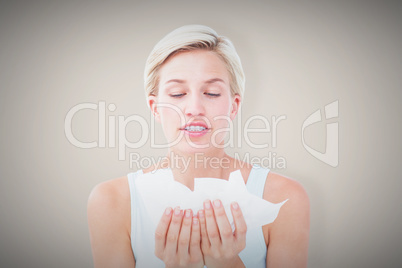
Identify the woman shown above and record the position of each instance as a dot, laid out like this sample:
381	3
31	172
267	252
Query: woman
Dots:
194	83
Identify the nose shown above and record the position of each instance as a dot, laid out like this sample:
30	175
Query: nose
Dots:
194	106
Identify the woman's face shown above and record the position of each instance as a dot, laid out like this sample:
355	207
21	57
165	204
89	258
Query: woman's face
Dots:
194	102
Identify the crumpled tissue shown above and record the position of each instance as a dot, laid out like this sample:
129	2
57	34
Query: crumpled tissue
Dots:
159	190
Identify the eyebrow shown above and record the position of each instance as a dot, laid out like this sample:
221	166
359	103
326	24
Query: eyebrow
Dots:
209	81
175	81
213	80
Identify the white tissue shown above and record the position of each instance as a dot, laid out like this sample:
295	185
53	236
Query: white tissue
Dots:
159	190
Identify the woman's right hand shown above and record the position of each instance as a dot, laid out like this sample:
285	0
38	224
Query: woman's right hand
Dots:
177	239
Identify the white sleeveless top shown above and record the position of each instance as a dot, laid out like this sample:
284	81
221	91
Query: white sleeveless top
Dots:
143	234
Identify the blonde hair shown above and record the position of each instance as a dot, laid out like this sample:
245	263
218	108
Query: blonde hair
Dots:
193	37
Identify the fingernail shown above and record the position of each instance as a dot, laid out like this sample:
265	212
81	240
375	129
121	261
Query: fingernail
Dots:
195	220
188	213
207	204
168	211
217	203
177	211
235	206
201	214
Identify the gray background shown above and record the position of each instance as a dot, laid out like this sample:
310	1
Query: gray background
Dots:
298	56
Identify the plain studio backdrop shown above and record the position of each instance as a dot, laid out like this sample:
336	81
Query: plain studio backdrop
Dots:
298	57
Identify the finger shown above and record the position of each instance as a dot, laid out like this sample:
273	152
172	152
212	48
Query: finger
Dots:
195	239
161	231
212	228
205	244
184	236
240	225
173	232
225	230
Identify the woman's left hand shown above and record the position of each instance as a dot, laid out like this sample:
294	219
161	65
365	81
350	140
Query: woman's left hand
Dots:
220	246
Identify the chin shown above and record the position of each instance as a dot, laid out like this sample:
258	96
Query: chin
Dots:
187	149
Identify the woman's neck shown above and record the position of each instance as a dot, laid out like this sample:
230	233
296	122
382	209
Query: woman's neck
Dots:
186	167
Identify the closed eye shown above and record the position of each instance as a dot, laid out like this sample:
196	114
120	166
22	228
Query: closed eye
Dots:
177	95
212	94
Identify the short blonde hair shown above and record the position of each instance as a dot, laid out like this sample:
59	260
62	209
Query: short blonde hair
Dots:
193	37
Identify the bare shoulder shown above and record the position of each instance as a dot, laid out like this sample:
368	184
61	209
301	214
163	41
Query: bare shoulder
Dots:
110	200
279	188
287	237
110	195
109	224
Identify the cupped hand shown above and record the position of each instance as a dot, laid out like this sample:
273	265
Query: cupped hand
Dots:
219	244
177	239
